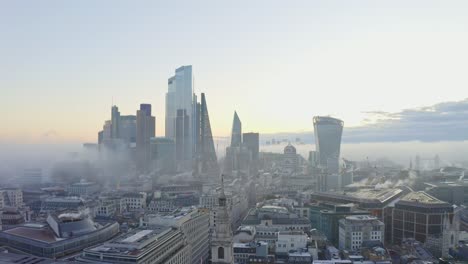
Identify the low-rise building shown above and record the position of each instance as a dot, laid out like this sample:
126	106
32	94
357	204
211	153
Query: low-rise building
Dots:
83	188
134	201
156	245
290	241
63	234
246	253
269	220
354	230
192	222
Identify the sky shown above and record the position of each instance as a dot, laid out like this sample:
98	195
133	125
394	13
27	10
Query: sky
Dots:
381	66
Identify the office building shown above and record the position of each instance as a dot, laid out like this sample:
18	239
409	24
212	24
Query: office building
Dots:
270	219
236	134
83	188
182	139
328	133
11	197
156	245
420	216
206	149
63	234
180	97
134	201
146	125
115	122
290	160
326	216
290	241
128	128
354	230
368	198
163	151
192	222
252	142
253	252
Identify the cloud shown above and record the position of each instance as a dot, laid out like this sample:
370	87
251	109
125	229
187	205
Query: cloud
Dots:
447	121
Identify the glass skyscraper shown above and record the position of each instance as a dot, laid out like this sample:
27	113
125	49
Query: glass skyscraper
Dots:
236	135
180	97
328	131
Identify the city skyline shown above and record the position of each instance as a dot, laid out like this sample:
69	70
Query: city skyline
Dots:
338	64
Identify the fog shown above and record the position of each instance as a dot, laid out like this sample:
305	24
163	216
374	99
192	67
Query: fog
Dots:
14	158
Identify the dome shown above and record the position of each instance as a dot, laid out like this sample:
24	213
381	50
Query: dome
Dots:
289	149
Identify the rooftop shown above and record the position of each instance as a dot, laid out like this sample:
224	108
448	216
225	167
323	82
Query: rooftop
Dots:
360	196
43	234
421	197
133	243
361	218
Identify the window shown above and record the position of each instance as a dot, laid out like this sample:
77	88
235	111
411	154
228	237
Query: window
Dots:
221	253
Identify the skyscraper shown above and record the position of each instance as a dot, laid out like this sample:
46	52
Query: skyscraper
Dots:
115	121
206	149
328	133
252	142
180	96
236	135
182	138
146	126
146	108
128	128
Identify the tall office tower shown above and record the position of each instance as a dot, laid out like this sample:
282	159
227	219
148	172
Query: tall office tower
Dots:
221	239
417	162
115	121
236	135
145	130
182	138
195	120
180	96
146	108
436	162
206	149
328	133
128	128
107	130
252	142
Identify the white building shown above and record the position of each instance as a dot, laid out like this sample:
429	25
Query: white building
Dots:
106	208
134	201
354	230
290	240
159	245
83	188
11	197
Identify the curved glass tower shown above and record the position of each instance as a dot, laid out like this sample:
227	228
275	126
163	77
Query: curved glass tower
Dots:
328	131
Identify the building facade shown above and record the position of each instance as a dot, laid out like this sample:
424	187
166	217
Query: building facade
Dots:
354	230
328	133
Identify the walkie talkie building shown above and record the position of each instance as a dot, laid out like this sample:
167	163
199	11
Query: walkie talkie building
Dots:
328	131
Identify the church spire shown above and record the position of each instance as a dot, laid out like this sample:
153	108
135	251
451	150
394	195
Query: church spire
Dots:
221	240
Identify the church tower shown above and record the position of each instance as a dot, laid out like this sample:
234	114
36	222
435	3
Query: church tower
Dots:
221	240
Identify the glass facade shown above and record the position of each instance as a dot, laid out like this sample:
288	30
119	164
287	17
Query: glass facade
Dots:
328	133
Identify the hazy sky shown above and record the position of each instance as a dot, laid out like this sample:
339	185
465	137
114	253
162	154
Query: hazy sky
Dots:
278	63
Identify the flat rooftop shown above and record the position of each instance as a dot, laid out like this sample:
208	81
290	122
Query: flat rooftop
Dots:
421	197
360	196
132	243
